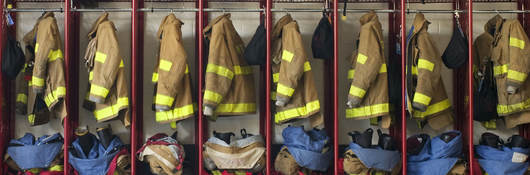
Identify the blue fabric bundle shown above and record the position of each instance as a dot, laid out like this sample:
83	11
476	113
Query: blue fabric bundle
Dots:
98	159
436	157
28	153
307	147
504	161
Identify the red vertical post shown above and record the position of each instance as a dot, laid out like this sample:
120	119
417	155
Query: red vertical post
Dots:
268	142
393	62
470	83
524	19
262	92
200	52
136	80
71	81
403	94
335	86
4	129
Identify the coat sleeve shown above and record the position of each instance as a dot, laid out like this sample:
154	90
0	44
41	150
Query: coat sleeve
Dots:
45	51
107	62
220	69
292	65
368	64
172	67
429	67
519	60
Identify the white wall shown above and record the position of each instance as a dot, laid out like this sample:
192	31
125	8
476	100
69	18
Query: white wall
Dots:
245	24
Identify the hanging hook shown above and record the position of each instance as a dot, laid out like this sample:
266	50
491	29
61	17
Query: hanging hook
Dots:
497	11
172	10
224	11
105	10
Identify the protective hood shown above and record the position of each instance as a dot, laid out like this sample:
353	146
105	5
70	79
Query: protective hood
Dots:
28	153
98	159
308	148
376	158
504	161
436	157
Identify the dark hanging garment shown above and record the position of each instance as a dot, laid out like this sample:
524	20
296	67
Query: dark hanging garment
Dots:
485	103
456	53
256	51
12	58
322	43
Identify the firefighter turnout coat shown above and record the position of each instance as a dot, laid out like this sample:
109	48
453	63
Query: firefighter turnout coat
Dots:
108	86
171	77
427	99
47	82
368	93
229	87
292	75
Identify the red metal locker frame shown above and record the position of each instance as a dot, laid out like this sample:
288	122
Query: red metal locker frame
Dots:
268	71
136	80
524	130
403	94
4	128
470	86
335	87
200	55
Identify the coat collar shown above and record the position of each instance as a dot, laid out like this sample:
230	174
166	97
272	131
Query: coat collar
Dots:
369	17
493	24
208	29
101	19
277	30
169	19
47	14
420	23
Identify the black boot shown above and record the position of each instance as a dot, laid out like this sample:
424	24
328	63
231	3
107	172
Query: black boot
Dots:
244	133
362	139
224	136
416	143
517	141
490	139
85	139
174	135
386	142
105	135
448	136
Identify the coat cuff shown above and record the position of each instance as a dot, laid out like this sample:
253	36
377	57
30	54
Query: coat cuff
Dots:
419	106
513	83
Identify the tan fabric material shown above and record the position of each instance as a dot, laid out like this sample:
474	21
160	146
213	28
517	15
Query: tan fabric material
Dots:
369	85
157	167
233	157
163	158
108	86
295	80
173	100
229	81
517	119
427	98
352	165
285	163
459	169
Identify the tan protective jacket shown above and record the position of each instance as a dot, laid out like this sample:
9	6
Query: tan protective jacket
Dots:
425	87
229	87
292	75
173	91
108	86
47	79
369	87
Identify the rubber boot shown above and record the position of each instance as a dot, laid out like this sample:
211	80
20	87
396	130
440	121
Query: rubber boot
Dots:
244	133
85	139
490	139
105	135
362	139
386	142
517	141
224	136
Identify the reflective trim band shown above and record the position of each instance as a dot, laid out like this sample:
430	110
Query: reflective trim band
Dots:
100	57
98	91
22	98
112	110
30	83
287	56
273	95
37	81
307	66
367	110
374	121
422	99
425	64
36	47
236	108
382	69
515	75
55	95
507	109
220	70
515	42
176	113
173	125
121	64
165	65
351	72
212	96
498	70
164	100
356	91
433	109
492	124
284	90
242	70
216	172
31	119
187	70
275	77
91	75
297	112
378	173
155	77
56	168
414	70
55	54
240	173
361	58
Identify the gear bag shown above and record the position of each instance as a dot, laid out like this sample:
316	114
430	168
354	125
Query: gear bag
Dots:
12	58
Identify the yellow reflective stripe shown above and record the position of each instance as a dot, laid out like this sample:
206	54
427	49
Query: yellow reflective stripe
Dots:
502	69
275	77
433	109
351	72
31	119
236	108
361	58
187	70
216	172
382	69
165	65
155	77
425	64
55	54
379	173
212	96
37	81
55	95
422	99
284	90
30	83
242	70
356	91
414	70
173	125
112	110
100	57
287	56
34	170
515	75
121	64
164	100
515	42
297	112
220	70
90	75
176	113
36	47
98	90
273	95
240	173
492	124
374	121
22	98
307	66
507	109
56	168
367	110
